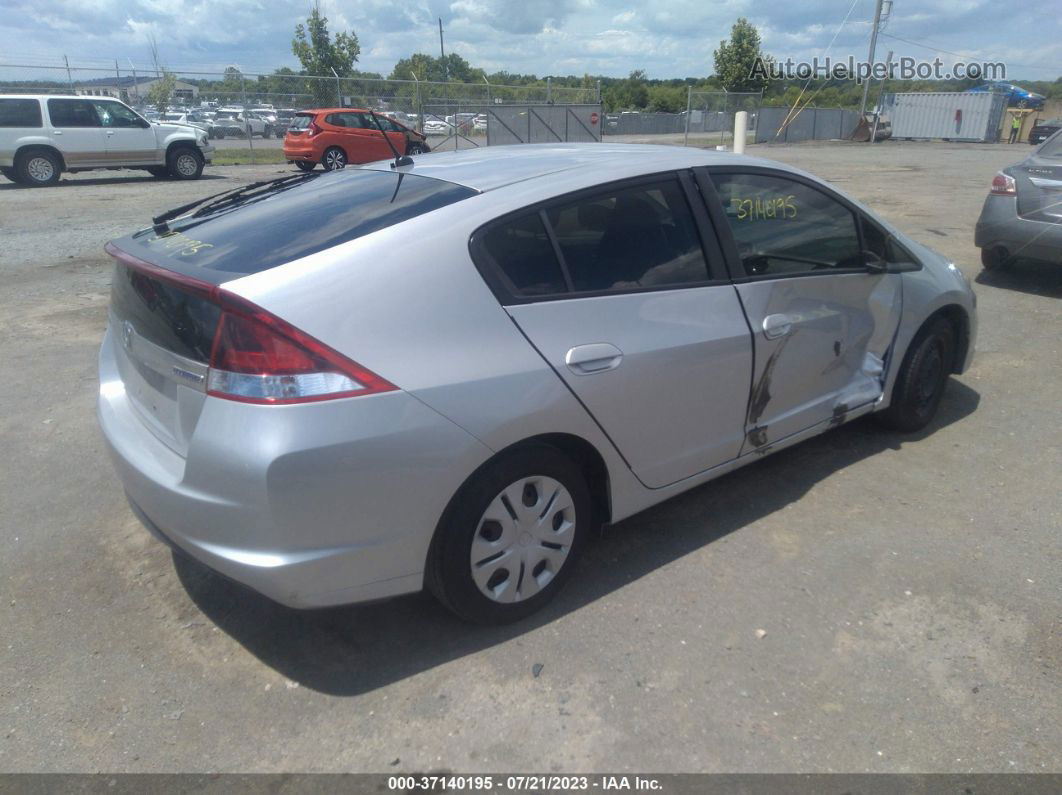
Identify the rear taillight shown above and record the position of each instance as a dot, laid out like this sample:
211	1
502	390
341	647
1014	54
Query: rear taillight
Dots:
1004	185
258	358
312	129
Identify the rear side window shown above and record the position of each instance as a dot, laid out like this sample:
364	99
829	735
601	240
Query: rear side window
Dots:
72	113
294	221
20	113
300	122
626	238
522	251
786	228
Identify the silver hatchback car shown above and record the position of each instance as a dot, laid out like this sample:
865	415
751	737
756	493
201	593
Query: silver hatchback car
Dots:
347	386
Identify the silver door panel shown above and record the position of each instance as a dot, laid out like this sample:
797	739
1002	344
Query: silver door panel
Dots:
666	373
820	343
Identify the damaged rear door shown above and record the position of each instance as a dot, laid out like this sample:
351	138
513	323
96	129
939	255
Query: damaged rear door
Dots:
822	310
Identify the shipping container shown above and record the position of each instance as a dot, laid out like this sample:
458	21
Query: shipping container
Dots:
953	116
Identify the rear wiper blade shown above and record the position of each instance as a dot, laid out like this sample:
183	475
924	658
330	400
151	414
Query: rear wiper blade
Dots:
159	222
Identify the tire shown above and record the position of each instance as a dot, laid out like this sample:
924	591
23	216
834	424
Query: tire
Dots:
523	561
159	172
334	158
185	162
306	165
10	173
995	258
923	376
279	133
415	148
38	168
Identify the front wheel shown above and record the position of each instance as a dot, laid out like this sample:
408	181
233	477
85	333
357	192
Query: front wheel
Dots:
306	165
922	378
185	163
511	536
334	158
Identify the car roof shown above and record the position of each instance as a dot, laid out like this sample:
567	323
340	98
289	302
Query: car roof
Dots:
488	168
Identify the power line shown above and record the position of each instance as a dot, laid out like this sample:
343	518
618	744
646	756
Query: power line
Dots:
927	45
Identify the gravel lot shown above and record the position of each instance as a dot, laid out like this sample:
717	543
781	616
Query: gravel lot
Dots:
909	586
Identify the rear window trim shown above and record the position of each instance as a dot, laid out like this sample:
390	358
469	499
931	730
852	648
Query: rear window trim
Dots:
507	293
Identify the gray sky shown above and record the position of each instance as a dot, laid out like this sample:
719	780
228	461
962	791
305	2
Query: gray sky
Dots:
667	38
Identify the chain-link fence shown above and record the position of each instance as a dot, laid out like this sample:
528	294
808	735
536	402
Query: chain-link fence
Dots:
257	107
708	119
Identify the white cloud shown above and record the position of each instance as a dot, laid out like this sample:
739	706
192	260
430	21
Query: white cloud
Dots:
667	38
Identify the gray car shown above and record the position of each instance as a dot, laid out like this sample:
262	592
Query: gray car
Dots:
1022	215
346	386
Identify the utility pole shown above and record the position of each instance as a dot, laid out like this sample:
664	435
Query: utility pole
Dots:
881	96
442	52
136	85
69	79
870	57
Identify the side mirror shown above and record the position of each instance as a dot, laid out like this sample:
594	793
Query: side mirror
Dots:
874	263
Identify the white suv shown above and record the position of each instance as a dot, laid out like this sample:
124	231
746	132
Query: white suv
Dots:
42	136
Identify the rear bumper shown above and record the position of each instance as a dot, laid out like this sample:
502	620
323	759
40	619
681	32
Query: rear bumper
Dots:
311	505
292	153
1000	225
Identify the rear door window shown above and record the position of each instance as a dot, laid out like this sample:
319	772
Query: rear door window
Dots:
72	113
20	113
523	253
630	237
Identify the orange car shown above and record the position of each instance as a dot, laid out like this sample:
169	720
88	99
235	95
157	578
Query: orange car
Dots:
334	137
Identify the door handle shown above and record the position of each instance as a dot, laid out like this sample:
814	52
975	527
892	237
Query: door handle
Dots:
594	358
775	326
57	132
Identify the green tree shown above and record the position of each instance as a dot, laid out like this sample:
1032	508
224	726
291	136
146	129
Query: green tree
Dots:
161	91
735	59
322	54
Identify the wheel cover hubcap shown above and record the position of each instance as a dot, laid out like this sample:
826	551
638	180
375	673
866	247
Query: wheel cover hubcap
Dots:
186	165
40	169
523	539
336	160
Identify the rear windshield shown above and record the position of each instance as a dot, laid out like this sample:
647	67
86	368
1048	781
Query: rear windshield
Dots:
1052	147
301	122
20	113
293	221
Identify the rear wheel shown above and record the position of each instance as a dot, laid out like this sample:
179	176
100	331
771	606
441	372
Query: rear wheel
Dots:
185	162
995	258
306	165
511	537
38	168
922	378
416	148
334	158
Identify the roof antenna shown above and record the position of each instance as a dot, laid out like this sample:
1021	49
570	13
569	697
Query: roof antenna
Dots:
400	160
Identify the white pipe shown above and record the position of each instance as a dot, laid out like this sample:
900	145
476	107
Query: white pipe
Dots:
741	125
